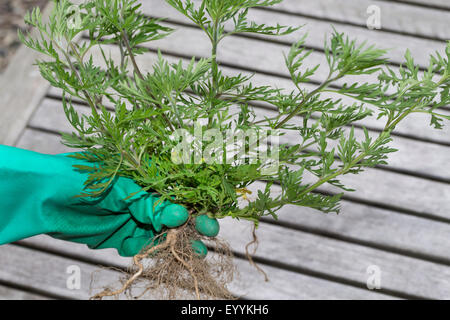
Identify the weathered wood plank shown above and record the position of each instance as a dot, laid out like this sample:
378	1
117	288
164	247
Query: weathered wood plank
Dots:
21	89
283	284
42	142
341	259
47	272
397	17
260	56
425	197
336	259
316	30
373	226
431	3
7	293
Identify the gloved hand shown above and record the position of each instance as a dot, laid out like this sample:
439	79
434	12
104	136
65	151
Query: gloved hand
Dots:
37	197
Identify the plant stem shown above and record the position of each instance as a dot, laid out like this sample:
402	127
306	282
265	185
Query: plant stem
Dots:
309	95
141	76
89	99
215	72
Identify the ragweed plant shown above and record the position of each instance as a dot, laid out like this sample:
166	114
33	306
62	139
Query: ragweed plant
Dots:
155	109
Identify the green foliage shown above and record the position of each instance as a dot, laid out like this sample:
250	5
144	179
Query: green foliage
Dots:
136	139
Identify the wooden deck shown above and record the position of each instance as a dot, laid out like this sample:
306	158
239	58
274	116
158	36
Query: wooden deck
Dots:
398	219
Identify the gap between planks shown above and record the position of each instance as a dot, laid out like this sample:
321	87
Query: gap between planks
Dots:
402	19
429	4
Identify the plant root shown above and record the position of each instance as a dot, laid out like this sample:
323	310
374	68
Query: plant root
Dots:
172	270
254	242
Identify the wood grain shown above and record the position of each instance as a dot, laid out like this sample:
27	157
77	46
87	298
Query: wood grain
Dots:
431	3
317	30
7	293
396	17
21	89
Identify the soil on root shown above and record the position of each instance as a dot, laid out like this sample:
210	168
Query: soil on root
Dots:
172	270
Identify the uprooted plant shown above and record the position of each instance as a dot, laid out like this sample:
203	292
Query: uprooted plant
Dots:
152	125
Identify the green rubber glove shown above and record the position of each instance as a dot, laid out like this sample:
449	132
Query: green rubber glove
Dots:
37	197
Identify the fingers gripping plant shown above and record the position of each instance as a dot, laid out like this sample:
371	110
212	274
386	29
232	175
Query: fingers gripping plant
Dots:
154	109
